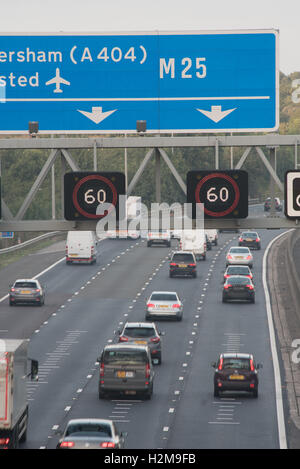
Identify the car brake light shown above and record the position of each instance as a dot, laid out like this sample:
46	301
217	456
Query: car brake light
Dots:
4	441
12	289
123	339
220	364
147	370
249	257
150	305
176	305
155	340
227	286
226	275
37	289
240	239
107	444
67	444
250	287
173	264
252	365
257	240
102	369
229	256
192	265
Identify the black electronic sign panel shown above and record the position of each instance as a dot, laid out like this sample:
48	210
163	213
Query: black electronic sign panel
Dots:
224	194
85	191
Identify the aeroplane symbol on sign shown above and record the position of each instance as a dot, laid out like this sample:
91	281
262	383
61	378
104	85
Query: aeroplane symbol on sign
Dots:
58	80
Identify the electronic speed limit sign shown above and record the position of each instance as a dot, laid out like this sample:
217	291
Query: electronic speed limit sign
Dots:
85	191
292	194
224	194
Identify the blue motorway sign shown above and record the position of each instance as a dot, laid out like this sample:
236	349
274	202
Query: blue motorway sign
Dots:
193	82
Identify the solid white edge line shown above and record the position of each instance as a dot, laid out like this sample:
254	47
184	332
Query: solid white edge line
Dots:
277	377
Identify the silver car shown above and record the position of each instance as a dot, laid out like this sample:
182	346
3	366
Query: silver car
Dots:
239	256
91	434
26	291
164	304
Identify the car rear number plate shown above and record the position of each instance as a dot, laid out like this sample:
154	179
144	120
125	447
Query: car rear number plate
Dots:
140	342
249	240
25	292
239	257
182	265
163	306
238	377
125	374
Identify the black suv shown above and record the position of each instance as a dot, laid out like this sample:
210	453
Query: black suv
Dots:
183	263
236	372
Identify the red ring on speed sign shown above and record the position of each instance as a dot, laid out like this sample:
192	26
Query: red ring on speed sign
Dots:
236	192
88	178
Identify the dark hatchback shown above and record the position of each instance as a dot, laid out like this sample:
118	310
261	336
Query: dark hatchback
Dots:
183	263
238	287
236	372
238	270
250	239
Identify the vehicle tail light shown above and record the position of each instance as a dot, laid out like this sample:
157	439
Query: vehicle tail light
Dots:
147	371
229	256
240	239
107	444
252	368
173	264
150	305
102	369
67	444
4	441
226	276
176	305
12	289
123	339
37	290
257	240
220	364
250	287
192	265
155	340
249	257
227	286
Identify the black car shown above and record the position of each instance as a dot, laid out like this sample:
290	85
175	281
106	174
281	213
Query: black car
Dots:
183	263
250	239
238	287
236	372
238	270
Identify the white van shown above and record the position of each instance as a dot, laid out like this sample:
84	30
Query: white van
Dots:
212	236
195	242
81	247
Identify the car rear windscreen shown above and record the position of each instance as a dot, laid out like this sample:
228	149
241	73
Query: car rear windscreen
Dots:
114	357
183	258
139	332
25	285
240	363
86	429
163	297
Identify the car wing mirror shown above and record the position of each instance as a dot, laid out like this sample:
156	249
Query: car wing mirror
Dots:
259	366
213	364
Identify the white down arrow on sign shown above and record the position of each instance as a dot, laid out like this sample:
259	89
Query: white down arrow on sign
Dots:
216	114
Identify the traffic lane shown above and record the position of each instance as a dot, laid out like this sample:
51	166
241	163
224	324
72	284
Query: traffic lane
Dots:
68	345
60	283
233	420
144	420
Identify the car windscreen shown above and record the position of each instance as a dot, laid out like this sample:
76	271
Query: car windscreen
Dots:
25	285
114	357
163	297
139	332
238	270
249	235
238	281
240	363
183	258
88	429
239	250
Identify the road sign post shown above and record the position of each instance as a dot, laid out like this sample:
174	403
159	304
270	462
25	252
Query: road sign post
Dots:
198	81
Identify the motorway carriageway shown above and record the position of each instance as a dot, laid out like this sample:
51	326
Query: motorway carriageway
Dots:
88	303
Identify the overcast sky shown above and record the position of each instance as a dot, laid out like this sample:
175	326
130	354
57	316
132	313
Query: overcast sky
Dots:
162	15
